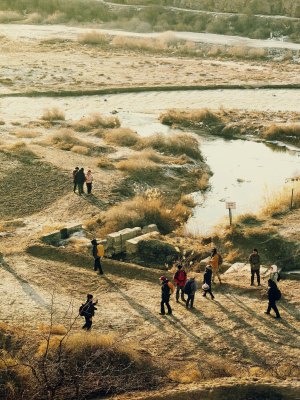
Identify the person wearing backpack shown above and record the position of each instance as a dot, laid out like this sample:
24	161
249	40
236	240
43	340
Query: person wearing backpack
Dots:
167	289
274	295
274	275
207	282
254	260
87	310
79	180
98	252
180	281
215	261
74	178
190	289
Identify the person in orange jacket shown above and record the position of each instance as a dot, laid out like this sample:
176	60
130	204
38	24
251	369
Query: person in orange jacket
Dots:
215	261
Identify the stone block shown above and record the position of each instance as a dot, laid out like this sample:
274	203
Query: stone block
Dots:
113	238
150	228
52	238
74	228
132	244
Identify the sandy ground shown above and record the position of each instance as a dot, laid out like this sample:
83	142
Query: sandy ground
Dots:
27	66
233	326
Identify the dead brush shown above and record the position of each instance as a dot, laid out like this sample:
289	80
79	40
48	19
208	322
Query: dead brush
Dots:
139	168
53	114
94	38
121	137
26	134
96	121
189	118
285	132
105	163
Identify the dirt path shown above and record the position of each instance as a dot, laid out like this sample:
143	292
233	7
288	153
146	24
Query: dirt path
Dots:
232	326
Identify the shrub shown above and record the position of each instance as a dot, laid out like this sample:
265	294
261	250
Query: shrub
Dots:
94	38
94	121
286	132
139	168
190	118
10	16
121	137
280	202
53	114
178	144
105	163
64	139
80	150
203	182
26	133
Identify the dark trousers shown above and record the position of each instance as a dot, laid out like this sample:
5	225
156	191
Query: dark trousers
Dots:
80	188
190	299
98	265
88	323
75	186
253	272
178	290
89	188
272	305
165	301
210	292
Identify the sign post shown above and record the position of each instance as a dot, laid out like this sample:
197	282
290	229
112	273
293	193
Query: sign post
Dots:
230	205
296	179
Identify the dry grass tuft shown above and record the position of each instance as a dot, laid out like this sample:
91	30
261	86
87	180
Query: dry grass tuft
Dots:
190	118
94	121
26	134
203	182
19	149
55	329
121	137
64	139
80	150
176	145
139	167
285	132
94	38
53	114
189	374
105	163
279	203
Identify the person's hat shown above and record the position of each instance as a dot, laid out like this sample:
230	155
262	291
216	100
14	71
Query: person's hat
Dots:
274	268
162	278
179	266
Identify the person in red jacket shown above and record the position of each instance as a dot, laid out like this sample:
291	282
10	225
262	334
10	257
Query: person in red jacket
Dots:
180	281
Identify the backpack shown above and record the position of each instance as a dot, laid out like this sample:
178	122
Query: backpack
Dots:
100	250
220	260
171	286
81	310
277	295
187	287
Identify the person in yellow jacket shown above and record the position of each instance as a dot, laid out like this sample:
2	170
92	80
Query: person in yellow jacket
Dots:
215	262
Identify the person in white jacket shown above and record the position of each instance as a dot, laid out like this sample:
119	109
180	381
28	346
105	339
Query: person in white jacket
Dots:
89	181
274	274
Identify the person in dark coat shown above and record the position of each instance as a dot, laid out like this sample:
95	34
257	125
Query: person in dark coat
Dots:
166	292
190	289
87	310
80	179
180	281
273	295
97	257
254	261
74	178
207	282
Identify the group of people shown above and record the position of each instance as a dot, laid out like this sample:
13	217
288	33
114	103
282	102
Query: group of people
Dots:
188	286
185	286
80	178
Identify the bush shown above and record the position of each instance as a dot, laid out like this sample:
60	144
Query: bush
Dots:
94	38
190	118
140	168
94	121
121	137
80	150
105	163
64	139
26	134
285	132
53	114
178	144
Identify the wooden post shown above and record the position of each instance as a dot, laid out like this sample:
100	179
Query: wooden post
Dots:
230	216
292	198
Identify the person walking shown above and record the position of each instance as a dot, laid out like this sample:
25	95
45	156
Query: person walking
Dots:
166	290
80	179
98	252
180	278
190	289
74	178
215	262
89	181
274	295
87	310
254	260
207	282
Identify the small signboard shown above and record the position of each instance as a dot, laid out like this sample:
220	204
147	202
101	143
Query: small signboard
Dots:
230	205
